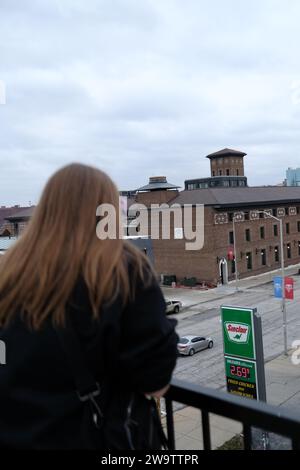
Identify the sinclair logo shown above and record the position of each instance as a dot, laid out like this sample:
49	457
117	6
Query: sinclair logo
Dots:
237	332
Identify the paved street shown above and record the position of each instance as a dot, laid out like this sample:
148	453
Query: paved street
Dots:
203	318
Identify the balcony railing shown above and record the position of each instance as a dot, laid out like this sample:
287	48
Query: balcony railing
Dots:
250	413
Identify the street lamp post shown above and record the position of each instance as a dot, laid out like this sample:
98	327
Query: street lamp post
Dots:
283	305
283	292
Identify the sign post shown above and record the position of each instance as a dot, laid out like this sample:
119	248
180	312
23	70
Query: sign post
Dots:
243	354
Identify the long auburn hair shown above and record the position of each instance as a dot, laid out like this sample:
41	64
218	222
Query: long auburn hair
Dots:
39	273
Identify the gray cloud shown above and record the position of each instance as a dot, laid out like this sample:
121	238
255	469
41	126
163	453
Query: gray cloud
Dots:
145	88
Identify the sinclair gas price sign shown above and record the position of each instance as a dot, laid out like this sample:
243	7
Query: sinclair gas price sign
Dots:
243	352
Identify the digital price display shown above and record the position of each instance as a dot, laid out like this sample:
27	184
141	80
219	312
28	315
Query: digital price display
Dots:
241	377
239	371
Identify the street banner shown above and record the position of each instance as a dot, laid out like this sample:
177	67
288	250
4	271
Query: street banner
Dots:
289	288
230	254
277	282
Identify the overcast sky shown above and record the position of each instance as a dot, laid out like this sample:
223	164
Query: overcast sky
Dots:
146	87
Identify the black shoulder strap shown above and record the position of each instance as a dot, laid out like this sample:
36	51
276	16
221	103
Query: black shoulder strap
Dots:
86	384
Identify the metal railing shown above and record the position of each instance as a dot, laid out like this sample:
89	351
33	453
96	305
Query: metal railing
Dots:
250	413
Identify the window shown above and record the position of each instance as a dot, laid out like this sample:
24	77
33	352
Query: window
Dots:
220	172
183	340
275	230
248	235
237	172
298	225
230	216
276	254
286	211
195	340
274	212
247	215
213	173
249	260
261	215
288	250
262	232
287	228
227	172
231	238
263	257
298	248
298	210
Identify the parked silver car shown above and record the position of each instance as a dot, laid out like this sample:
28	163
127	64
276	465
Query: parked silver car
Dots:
188	345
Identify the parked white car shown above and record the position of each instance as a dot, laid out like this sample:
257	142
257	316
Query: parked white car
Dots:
173	306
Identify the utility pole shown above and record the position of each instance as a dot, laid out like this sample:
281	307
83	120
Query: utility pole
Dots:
235	256
283	291
283	303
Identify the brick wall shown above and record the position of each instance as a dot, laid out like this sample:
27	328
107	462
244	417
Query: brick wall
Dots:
233	164
172	258
155	197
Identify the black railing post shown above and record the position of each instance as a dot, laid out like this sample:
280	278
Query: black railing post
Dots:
296	443
206	430
247	437
170	424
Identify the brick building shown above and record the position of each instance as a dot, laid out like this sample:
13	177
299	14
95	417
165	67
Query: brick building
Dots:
226	197
257	236
7	228
16	222
226	168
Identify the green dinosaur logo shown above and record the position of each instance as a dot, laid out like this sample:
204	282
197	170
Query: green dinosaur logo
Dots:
237	337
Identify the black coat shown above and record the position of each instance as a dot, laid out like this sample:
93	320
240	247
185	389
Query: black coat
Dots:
39	408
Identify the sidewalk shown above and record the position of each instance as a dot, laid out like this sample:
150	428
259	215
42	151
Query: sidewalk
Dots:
191	298
283	389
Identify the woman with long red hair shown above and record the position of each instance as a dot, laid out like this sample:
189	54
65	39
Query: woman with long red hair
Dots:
84	325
